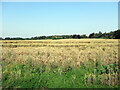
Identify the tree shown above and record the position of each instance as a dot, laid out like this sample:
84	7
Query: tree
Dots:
1	38
54	37
83	36
7	38
91	35
110	35
99	34
76	36
117	34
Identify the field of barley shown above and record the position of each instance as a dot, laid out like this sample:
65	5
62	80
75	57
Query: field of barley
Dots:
64	63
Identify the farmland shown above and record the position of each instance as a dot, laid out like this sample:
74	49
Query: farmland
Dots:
64	63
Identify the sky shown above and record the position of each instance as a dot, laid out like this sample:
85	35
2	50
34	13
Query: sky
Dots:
29	19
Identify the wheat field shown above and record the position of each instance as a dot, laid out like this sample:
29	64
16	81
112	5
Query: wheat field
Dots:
66	63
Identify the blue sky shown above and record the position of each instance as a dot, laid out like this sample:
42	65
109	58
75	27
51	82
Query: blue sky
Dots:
29	19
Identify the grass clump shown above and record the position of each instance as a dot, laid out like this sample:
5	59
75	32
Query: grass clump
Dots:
36	76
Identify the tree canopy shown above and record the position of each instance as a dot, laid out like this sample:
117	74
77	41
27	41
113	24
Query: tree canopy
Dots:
110	35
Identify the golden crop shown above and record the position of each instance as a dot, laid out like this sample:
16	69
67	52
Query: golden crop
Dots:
63	52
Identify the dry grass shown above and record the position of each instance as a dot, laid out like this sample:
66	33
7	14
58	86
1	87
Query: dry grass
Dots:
62	53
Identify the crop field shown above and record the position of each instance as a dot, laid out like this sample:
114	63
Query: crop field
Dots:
64	63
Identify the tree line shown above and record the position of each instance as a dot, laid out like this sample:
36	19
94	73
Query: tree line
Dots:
110	35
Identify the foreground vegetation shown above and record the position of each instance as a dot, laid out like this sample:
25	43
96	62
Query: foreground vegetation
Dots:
70	63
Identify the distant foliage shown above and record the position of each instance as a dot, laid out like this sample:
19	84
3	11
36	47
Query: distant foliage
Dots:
110	35
117	34
1	38
17	38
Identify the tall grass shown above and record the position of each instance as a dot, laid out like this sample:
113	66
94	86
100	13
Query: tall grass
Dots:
60	63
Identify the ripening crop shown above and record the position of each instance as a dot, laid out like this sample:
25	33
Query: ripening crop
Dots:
72	63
